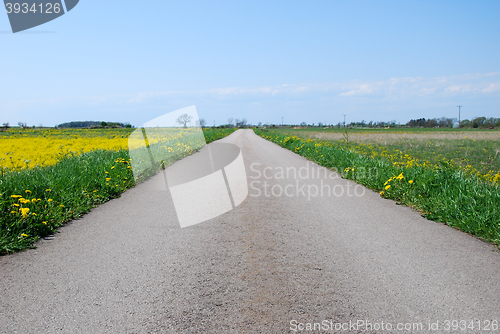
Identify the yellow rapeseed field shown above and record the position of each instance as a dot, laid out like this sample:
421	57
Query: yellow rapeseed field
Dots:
21	149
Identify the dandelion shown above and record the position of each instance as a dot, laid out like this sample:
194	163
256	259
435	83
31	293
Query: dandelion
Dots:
44	223
16	196
24	212
410	182
387	187
50	200
15	204
108	178
28	191
382	193
62	206
24	235
47	190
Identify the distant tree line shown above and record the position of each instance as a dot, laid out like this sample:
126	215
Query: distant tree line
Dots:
481	122
443	122
93	124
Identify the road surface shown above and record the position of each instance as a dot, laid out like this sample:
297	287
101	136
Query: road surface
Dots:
277	263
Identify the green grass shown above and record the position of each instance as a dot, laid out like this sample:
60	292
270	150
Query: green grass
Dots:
59	193
475	152
441	191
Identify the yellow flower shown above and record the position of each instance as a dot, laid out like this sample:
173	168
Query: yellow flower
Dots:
33	200
28	191
410	182
16	196
44	223
24	235
62	206
13	212
113	167
50	200
47	190
108	178
24	212
15	204
381	193
387	187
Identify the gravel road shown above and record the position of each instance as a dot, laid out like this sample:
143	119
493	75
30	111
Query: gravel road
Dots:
289	256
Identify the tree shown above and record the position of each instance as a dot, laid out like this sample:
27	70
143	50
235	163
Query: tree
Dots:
241	122
104	124
260	124
230	121
184	119
201	122
478	122
22	125
6	125
303	124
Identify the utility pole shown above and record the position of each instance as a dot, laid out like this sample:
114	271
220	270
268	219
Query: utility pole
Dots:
281	120
459	107
344	120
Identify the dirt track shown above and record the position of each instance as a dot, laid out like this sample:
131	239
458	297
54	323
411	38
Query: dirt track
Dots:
127	267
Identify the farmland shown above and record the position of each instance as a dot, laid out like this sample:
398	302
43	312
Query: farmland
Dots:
50	176
449	176
475	152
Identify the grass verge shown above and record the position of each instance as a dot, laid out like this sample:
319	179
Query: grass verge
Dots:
35	202
440	192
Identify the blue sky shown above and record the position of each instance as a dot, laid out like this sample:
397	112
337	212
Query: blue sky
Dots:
311	61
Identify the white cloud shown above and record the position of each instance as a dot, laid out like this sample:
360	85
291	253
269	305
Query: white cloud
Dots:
480	84
493	87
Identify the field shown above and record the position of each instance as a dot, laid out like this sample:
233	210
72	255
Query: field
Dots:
475	152
449	176
49	176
